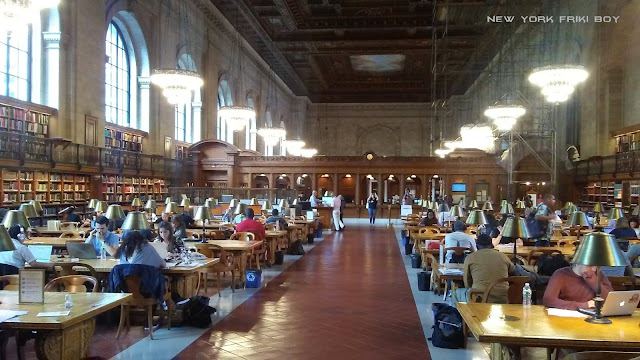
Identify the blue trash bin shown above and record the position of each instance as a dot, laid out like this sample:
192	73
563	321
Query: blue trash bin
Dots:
253	278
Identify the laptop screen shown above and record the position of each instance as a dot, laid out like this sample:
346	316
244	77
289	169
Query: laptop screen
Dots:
41	252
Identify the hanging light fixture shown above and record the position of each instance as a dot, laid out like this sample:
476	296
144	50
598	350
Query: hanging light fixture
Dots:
293	146
272	135
443	152
17	14
178	84
504	116
558	81
477	137
236	117
308	152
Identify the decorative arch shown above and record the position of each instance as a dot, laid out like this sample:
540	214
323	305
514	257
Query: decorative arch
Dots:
379	139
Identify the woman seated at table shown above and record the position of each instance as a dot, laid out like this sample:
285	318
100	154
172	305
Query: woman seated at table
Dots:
21	255
623	230
574	287
179	229
430	219
165	235
135	249
634	223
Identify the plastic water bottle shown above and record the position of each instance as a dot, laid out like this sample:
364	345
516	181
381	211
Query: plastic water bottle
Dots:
103	253
526	295
68	303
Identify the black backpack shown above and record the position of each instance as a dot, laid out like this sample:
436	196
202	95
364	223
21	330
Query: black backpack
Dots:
295	248
548	264
447	327
197	312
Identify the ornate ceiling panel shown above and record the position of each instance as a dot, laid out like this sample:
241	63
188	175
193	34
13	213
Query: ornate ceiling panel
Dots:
372	50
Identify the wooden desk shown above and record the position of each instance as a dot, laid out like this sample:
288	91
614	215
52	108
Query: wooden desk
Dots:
524	250
44	231
66	337
56	242
239	249
533	327
273	240
445	277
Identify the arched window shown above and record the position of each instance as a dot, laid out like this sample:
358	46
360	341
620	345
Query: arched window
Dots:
188	116
252	128
225	133
117	79
268	150
14	65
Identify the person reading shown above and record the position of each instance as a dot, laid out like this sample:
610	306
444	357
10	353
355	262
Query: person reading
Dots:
574	287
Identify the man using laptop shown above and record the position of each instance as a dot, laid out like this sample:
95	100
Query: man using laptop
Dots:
101	237
574	287
21	254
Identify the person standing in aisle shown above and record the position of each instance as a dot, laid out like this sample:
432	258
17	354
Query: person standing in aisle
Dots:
343	203
372	204
544	215
407	199
336	213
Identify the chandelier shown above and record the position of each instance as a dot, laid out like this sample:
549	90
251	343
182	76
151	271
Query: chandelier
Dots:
443	152
16	14
292	146
558	81
272	135
505	116
177	84
477	137
236	117
308	152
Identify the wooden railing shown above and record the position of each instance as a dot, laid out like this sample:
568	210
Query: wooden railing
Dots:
613	164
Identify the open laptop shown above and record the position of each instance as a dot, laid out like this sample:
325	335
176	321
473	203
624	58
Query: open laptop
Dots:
161	248
618	303
81	250
41	252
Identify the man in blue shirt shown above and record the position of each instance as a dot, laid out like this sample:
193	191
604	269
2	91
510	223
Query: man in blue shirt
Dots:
101	237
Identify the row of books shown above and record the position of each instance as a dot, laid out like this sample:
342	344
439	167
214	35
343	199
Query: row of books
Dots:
14	113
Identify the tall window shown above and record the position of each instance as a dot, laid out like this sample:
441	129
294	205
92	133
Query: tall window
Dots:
14	65
181	122
222	126
117	81
251	128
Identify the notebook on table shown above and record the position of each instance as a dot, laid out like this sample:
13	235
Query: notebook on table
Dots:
618	303
81	250
41	252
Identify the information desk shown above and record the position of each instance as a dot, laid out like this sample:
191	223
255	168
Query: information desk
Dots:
60	337
510	327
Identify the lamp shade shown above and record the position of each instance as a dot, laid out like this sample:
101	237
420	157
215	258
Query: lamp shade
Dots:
267	205
487	206
114	212
456	210
434	206
171	208
5	240
474	204
284	204
295	202
92	203
328	193
168	200
520	205
598	208
516	227
101	206
233	203
202	213
567	205
136	202
254	202
476	217
15	217
578	218
444	207
151	205
185	202
571	209
503	202
28	210
615	213
36	205
135	220
240	209
506	209
210	203
599	249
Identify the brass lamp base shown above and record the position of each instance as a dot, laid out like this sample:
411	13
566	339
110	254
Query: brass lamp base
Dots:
596	320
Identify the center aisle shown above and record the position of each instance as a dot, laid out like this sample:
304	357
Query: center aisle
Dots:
348	298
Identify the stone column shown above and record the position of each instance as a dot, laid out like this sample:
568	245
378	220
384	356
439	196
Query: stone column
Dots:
198	124
381	197
401	185
335	184
144	89
51	78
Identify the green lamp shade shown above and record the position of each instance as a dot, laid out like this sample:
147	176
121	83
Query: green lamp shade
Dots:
506	209
92	203
6	244
516	227
114	212
456	210
284	204
135	220
202	213
599	249
185	202
171	208
443	207
568	204
240	209
598	208
267	205
210	203
503	202
487	206
474	204
233	203
254	202
578	218
476	217
168	200
28	210
15	217
615	214
136	202
36	205
151	205
520	205
101	207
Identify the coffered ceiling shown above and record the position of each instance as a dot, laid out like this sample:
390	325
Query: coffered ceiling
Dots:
373	50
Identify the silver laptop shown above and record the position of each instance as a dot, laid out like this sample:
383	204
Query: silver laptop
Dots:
81	250
161	248
41	252
619	303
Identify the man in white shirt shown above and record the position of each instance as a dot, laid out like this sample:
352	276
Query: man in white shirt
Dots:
314	200
21	254
336	213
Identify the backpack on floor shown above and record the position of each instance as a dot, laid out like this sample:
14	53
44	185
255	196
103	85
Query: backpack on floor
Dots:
447	327
197	312
295	248
548	264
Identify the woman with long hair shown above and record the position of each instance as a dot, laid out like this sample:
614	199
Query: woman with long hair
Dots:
165	235
135	249
372	204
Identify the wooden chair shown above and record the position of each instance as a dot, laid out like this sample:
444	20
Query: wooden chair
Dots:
69	234
10	282
215	235
599	355
133	287
457	250
85	225
514	294
256	252
71	283
532	257
66	269
193	234
71	226
429	229
565	242
270	227
227	263
243	236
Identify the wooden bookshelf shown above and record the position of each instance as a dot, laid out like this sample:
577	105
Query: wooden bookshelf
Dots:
24	119
117	137
605	192
123	189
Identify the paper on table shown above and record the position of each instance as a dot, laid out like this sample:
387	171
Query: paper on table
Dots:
565	313
451	271
8	314
170	265
54	313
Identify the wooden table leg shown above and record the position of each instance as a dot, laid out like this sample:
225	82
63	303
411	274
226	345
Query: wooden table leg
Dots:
243	267
70	343
504	352
272	250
